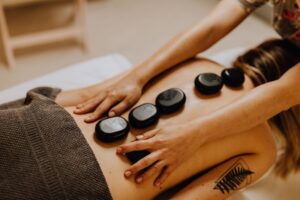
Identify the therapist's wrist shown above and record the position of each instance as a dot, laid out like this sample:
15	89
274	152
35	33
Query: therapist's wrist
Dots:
140	76
198	129
136	78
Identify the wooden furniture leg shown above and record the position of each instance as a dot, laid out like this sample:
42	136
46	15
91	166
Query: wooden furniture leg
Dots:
80	14
77	32
7	46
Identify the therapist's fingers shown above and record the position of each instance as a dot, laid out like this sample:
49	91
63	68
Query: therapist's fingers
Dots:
142	164
156	168
134	146
90	105
101	109
92	102
164	175
120	108
147	135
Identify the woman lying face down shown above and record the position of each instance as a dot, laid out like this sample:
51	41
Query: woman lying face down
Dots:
234	154
60	155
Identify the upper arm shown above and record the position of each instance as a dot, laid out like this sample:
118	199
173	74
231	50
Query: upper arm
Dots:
290	81
251	5
226	16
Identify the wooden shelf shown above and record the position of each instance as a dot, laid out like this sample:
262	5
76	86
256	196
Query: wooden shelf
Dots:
12	3
34	39
75	32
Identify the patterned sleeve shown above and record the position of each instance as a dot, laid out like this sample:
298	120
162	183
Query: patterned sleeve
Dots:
251	5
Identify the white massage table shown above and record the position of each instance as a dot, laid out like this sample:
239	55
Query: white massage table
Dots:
99	69
74	76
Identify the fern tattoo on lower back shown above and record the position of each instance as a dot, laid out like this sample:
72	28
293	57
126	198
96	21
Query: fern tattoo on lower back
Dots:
234	177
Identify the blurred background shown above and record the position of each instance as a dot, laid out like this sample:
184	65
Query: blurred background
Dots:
134	28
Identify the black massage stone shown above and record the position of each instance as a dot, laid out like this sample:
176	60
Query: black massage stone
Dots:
233	77
135	156
170	100
143	116
208	83
112	129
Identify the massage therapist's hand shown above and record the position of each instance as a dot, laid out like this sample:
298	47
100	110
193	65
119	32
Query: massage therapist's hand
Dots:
169	147
114	99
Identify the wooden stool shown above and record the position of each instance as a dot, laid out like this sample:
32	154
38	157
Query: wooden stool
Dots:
10	43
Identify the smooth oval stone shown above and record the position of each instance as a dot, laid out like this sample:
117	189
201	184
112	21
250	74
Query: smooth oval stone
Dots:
135	156
170	100
233	77
143	116
208	83
112	129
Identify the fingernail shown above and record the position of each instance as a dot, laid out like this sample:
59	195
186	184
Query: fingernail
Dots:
88	119
79	106
139	179
127	173
139	137
112	114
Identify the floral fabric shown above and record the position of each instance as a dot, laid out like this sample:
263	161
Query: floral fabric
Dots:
286	16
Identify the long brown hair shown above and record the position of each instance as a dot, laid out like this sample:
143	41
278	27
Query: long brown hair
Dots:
268	62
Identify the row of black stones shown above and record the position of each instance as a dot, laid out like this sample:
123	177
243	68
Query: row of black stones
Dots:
210	83
115	128
169	101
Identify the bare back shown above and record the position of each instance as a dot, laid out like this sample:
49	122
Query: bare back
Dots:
197	105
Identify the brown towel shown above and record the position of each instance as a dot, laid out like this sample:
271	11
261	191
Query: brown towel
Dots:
43	154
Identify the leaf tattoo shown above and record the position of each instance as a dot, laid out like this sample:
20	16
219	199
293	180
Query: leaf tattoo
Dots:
234	177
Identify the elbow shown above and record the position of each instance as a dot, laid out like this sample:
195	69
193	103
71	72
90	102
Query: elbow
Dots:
289	93
284	94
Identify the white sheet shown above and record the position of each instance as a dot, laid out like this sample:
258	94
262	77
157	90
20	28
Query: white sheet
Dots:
90	72
225	58
74	76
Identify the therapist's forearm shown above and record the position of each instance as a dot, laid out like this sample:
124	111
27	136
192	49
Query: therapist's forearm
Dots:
182	47
255	108
225	17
